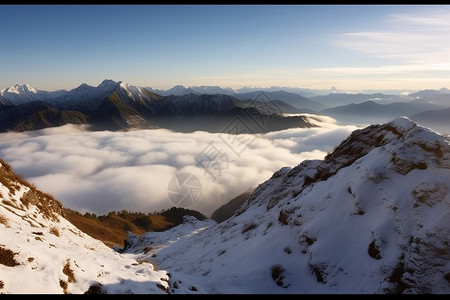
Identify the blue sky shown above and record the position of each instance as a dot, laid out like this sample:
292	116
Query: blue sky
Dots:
351	47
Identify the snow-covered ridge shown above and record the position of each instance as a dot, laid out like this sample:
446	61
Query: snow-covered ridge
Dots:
372	217
20	89
85	97
42	253
23	93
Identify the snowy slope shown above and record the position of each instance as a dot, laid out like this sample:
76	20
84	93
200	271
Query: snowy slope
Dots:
133	95
372	217
41	252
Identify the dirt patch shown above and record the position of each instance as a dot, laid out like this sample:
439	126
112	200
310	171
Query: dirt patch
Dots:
396	278
374	251
69	272
95	289
277	273
7	257
447	277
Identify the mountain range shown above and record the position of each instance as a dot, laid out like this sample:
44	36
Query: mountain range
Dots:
120	106
373	112
370	218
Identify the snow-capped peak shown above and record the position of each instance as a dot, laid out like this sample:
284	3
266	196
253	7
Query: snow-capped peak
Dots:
19	93
23	89
403	123
19	89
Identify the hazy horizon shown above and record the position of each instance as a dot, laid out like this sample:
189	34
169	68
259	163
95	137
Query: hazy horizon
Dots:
333	87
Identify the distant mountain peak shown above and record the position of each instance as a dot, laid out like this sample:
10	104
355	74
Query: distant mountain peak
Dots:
84	86
20	89
108	83
444	90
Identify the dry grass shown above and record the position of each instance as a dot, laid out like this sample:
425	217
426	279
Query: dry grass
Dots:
9	179
70	277
55	231
112	229
283	217
69	272
63	285
436	150
9	203
429	195
112	232
248	227
48	205
3	220
159	222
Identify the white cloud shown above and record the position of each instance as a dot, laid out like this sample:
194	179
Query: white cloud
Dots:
104	171
414	39
412	45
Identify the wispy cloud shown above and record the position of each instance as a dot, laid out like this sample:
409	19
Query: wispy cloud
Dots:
104	171
417	45
438	20
409	38
387	69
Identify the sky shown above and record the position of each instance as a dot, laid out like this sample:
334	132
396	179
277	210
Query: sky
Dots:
352	47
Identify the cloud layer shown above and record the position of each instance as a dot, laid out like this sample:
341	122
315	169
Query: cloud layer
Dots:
104	171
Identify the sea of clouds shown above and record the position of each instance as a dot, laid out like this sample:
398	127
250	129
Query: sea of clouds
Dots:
102	171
